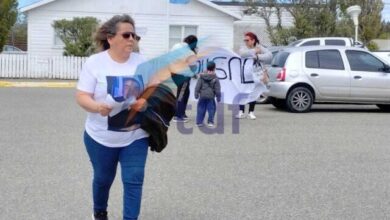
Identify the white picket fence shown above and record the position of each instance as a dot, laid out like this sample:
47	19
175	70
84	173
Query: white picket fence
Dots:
34	67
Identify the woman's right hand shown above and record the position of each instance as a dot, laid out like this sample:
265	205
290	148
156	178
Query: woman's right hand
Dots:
85	100
103	109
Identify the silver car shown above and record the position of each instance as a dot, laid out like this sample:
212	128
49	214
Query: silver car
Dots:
301	76
9	49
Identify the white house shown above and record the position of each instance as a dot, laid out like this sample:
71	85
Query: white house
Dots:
159	23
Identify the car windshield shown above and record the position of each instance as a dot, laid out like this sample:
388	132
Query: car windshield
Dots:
280	59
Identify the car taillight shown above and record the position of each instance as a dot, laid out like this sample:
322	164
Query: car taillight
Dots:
281	75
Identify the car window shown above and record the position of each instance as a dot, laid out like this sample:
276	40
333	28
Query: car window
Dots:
311	59
280	59
330	59
324	59
311	43
335	42
268	61
363	61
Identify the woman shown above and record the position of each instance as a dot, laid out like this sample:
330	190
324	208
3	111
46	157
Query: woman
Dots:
106	148
252	49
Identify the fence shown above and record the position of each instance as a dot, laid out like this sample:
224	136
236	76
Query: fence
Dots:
27	66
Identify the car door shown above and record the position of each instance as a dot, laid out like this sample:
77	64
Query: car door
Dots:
325	69
369	81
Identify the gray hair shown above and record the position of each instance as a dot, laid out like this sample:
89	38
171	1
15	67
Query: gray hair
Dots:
109	28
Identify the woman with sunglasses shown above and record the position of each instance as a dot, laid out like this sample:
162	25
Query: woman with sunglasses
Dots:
106	148
252	49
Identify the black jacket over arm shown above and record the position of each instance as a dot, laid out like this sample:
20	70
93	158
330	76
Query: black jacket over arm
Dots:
160	111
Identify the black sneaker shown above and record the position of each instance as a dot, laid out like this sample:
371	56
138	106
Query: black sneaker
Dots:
100	216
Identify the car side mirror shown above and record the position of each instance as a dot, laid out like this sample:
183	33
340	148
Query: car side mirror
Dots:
386	68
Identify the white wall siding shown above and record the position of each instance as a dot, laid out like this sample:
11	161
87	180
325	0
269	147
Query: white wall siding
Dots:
214	24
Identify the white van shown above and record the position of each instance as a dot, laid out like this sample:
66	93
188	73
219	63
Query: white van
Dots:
327	41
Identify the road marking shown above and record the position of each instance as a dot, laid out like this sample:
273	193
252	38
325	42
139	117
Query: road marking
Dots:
38	84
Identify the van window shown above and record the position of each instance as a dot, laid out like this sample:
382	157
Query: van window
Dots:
311	43
293	44
335	42
363	61
280	59
324	59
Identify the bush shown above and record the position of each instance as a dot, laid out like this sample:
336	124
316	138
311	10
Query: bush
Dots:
77	35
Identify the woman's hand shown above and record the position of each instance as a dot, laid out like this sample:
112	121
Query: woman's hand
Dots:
258	50
139	105
103	109
86	101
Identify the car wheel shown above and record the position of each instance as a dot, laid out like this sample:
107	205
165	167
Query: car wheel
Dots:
299	100
263	99
279	103
385	108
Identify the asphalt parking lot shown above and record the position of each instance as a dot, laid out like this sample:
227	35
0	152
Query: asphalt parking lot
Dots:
331	163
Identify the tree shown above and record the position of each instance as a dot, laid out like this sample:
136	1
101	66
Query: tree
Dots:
8	15
77	35
265	9
385	30
369	20
18	33
313	18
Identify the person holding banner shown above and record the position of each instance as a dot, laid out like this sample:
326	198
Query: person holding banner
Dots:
107	148
182	80
252	49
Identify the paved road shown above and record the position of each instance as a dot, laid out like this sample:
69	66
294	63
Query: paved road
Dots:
332	163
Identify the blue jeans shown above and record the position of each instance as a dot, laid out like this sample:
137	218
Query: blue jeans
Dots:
104	161
203	106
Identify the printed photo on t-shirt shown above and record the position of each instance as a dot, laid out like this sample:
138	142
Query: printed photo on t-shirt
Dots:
122	92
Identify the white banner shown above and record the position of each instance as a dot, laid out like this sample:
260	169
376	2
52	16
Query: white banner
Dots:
234	73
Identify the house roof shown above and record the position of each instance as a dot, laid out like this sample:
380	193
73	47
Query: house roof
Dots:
205	2
35	5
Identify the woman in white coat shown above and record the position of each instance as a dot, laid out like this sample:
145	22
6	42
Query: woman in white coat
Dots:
252	49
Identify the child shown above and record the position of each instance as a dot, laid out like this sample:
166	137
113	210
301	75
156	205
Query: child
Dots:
207	88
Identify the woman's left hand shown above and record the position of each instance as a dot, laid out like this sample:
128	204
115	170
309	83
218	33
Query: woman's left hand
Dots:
139	105
258	50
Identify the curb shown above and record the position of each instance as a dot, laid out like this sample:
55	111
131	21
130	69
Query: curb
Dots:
38	84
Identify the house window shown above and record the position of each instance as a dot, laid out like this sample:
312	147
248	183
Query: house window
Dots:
178	32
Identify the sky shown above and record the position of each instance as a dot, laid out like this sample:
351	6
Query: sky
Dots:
385	12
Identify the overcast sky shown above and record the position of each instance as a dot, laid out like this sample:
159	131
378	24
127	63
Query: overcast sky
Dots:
385	12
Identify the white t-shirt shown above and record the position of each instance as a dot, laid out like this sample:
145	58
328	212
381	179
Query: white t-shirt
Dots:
93	80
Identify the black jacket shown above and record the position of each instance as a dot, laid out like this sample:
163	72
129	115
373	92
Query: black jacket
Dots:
161	106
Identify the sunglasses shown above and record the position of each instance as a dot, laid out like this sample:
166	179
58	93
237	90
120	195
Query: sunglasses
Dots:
246	40
126	35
